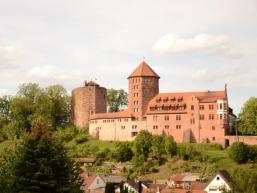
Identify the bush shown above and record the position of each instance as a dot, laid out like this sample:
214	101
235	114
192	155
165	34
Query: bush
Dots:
189	152
123	153
65	135
252	155
239	152
81	138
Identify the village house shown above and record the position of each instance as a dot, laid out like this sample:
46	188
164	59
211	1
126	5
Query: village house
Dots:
220	182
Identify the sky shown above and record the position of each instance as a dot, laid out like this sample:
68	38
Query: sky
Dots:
196	45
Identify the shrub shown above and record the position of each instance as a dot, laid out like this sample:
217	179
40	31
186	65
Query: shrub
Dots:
189	152
123	153
239	152
252	155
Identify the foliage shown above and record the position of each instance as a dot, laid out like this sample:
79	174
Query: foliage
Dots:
30	102
123	153
109	188
170	146
102	156
143	144
252	154
239	152
189	152
116	99
99	170
66	135
244	180
43	166
247	123
158	146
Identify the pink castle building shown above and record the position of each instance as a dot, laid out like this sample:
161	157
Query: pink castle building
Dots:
187	116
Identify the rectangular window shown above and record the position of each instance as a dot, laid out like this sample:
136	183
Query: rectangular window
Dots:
201	117
178	126
192	121
166	126
166	118
211	107
178	117
192	107
155	117
213	127
211	116
155	127
201	107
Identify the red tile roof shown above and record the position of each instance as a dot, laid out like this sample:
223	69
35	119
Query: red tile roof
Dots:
144	70
122	114
88	181
180	99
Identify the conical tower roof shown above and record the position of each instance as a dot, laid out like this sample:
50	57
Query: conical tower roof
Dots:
144	70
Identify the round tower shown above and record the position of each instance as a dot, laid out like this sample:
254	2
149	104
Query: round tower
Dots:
87	100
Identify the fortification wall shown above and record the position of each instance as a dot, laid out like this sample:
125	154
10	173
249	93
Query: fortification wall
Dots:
250	140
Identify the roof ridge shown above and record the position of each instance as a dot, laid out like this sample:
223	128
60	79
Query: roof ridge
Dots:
143	69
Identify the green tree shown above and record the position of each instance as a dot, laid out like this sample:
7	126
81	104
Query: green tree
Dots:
239	152
110	188
170	146
158	147
143	144
116	99
61	105
244	180
43	165
247	123
123	153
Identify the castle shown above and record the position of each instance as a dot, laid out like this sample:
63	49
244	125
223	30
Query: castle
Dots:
187	116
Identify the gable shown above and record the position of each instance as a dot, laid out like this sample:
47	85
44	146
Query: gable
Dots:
98	182
217	183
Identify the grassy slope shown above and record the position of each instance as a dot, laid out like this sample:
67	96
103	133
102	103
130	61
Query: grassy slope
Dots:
218	159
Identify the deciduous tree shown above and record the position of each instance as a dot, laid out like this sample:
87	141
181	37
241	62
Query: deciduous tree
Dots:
116	99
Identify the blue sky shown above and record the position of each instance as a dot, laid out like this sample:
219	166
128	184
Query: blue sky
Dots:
193	45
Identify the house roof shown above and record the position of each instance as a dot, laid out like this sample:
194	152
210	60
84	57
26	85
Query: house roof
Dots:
88	181
224	175
144	70
198	185
186	178
122	114
114	179
180	100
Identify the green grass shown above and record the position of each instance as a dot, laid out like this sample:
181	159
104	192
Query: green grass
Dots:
102	144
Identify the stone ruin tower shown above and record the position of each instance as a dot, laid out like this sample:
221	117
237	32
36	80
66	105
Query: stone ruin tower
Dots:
87	100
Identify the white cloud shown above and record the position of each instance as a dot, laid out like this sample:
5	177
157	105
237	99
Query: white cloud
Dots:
209	75
175	44
50	74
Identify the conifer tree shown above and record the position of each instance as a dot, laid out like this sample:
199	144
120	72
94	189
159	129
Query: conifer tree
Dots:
43	166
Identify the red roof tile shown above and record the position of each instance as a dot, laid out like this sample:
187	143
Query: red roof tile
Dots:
144	70
122	114
88	181
180	99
